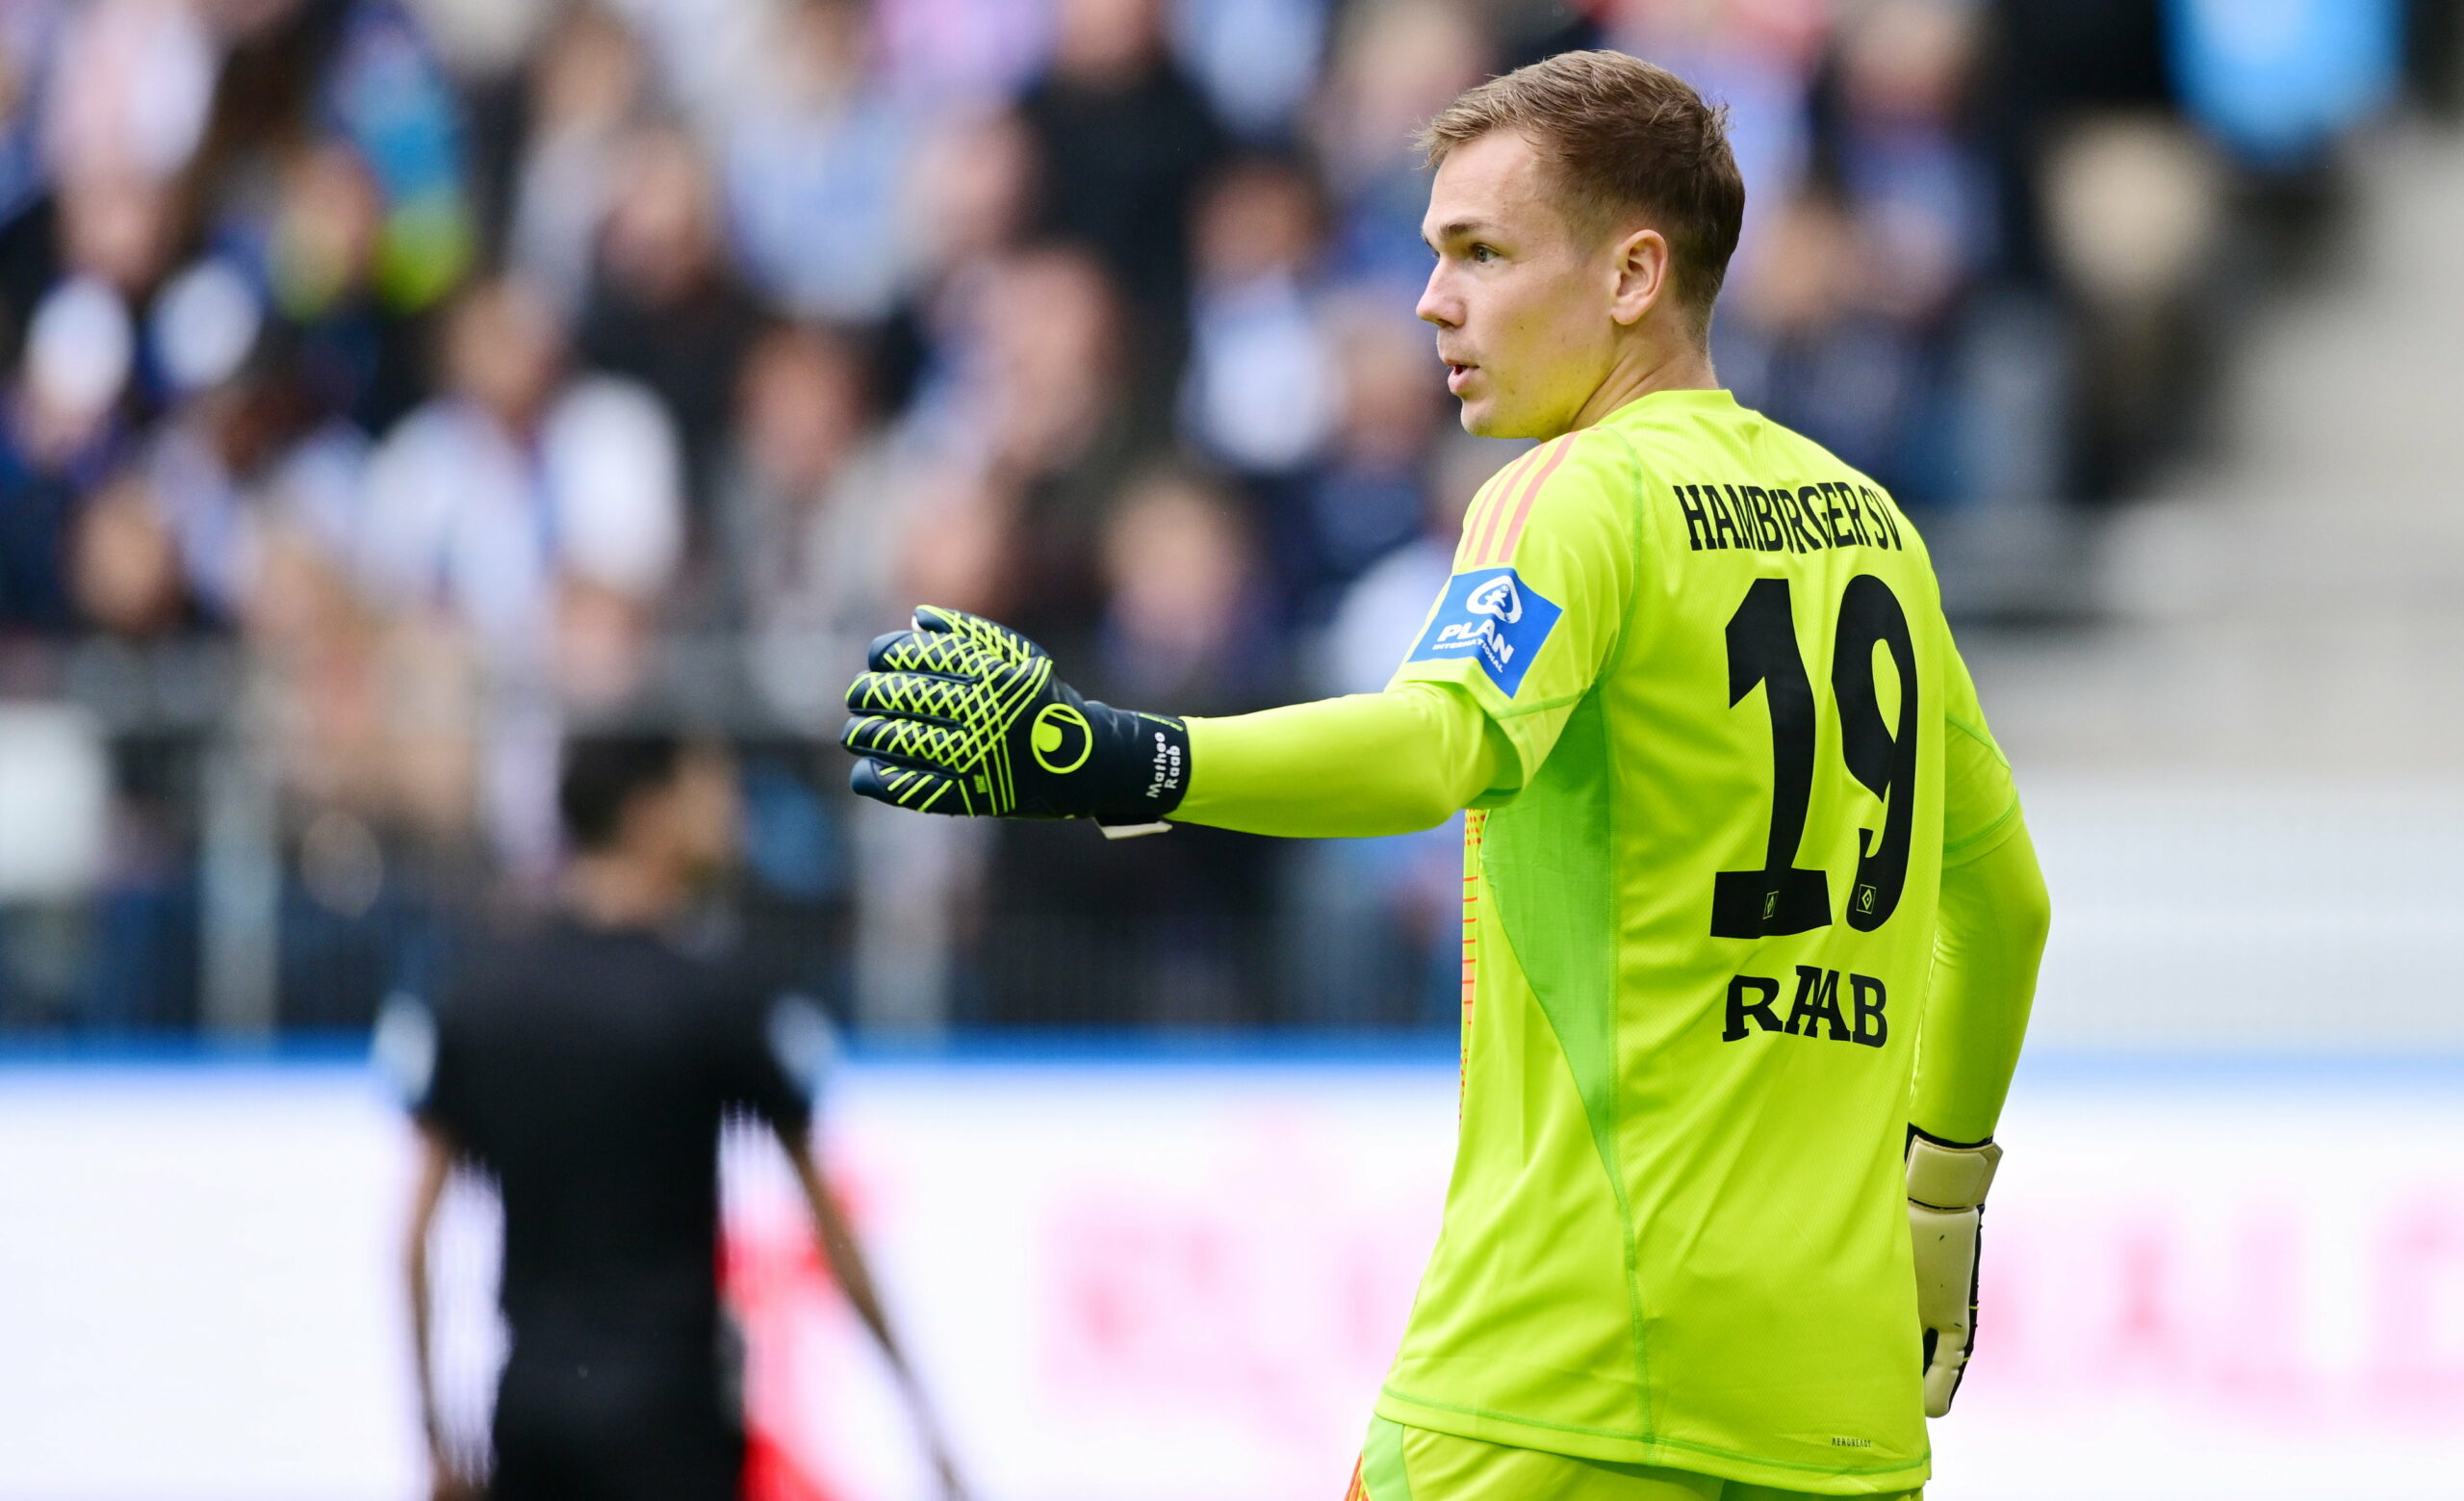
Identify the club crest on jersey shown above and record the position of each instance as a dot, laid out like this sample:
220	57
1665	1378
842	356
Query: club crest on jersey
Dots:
1493	617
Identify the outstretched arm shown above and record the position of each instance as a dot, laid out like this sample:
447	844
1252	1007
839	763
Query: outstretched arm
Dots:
962	715
1369	763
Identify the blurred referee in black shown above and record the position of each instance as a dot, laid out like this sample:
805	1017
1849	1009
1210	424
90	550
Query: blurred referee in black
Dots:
586	1064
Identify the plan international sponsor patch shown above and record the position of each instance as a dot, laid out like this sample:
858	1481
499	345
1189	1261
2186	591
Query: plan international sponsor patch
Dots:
1493	617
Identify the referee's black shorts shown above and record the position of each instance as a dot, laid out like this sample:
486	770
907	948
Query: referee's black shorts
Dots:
629	1431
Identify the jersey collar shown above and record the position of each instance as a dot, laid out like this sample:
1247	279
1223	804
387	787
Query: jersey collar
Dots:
1716	400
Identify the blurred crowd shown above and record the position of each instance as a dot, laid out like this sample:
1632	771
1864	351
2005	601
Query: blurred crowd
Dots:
475	367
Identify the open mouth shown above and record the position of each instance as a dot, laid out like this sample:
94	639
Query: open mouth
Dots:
1456	373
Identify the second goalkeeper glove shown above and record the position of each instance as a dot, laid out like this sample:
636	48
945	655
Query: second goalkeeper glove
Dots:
962	715
1946	1184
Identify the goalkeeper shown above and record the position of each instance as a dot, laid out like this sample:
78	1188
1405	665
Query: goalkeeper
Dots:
1752	919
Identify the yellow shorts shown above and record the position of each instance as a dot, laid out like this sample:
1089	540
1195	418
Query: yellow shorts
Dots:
1398	1463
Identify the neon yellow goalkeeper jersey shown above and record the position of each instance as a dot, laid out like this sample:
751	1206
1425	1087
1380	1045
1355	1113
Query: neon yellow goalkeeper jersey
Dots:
1697	937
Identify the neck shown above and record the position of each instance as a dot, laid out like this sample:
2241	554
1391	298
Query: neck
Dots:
1642	368
622	889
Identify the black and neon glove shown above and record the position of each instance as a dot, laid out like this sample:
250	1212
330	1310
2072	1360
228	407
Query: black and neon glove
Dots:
961	715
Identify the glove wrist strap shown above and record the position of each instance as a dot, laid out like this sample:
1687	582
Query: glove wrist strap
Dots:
1144	763
1943	1177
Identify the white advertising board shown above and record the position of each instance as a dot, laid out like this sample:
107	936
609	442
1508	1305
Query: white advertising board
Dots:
1158	1282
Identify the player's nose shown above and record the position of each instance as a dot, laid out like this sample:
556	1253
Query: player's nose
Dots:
1437	305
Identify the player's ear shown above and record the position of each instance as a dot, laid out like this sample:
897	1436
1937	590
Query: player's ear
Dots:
1642	266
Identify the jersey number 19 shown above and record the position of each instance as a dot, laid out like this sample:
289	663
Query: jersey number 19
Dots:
1780	898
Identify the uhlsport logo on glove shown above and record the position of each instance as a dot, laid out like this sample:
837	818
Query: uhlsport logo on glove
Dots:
1493	617
1061	739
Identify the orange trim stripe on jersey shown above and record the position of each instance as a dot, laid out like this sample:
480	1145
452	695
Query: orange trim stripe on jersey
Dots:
1482	517
1504	501
1505	552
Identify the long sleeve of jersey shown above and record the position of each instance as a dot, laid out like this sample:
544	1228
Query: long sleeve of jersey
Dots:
1989	939
1994	915
1367	764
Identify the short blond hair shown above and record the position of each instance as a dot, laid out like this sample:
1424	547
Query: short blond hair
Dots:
1628	140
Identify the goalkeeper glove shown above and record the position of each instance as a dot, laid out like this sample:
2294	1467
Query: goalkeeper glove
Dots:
1946	1184
961	715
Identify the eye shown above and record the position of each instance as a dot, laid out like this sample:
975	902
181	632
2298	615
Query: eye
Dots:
1482	254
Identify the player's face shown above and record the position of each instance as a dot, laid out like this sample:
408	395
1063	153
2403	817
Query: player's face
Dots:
1522	300
707	812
